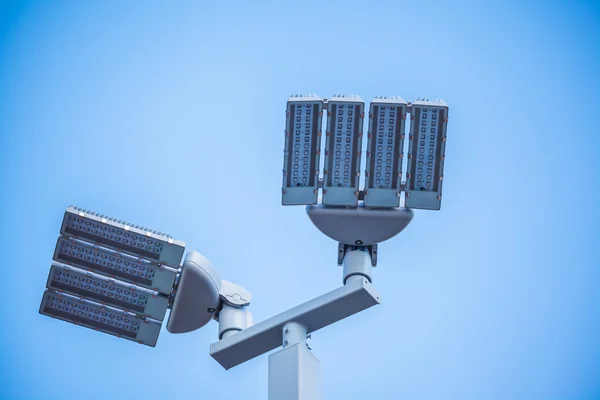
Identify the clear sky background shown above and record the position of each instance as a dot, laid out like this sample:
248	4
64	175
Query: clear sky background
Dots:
171	115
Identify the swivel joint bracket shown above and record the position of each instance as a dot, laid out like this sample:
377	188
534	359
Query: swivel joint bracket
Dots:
233	315
234	295
343	248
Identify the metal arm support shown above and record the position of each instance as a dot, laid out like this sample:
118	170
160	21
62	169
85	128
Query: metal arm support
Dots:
294	370
357	295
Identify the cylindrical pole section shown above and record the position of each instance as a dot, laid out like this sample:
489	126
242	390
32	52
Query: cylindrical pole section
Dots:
357	265
232	320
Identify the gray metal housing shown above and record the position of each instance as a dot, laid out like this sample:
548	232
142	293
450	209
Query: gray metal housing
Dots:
302	150
359	226
422	197
385	137
197	296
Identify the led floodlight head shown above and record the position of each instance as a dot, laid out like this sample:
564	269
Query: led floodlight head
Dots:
111	276
427	148
113	263
343	150
304	116
104	290
385	151
102	318
120	236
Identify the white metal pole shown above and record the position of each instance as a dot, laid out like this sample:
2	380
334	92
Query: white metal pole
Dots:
294	370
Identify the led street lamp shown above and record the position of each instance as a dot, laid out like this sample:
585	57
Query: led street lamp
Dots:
426	153
304	116
385	152
343	150
123	237
110	262
103	318
105	290
106	270
358	226
120	279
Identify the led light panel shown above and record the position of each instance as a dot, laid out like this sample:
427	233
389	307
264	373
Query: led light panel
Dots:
385	151
120	236
112	263
343	150
107	291
304	117
102	318
427	147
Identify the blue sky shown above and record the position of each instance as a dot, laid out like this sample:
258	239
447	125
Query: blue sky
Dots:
172	116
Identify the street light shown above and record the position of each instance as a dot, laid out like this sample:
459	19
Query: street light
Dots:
360	220
120	278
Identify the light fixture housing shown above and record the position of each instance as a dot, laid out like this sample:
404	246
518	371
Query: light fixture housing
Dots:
122	266
114	277
385	144
304	116
123	237
341	177
107	319
426	154
108	291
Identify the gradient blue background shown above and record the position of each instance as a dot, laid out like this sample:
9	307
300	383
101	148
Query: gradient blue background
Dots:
172	115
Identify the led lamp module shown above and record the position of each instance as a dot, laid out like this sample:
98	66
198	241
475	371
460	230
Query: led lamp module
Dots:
385	152
427	148
120	236
113	263
304	117
107	291
99	317
111	276
343	151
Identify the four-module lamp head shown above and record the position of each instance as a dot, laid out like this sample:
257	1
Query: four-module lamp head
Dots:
119	278
360	218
